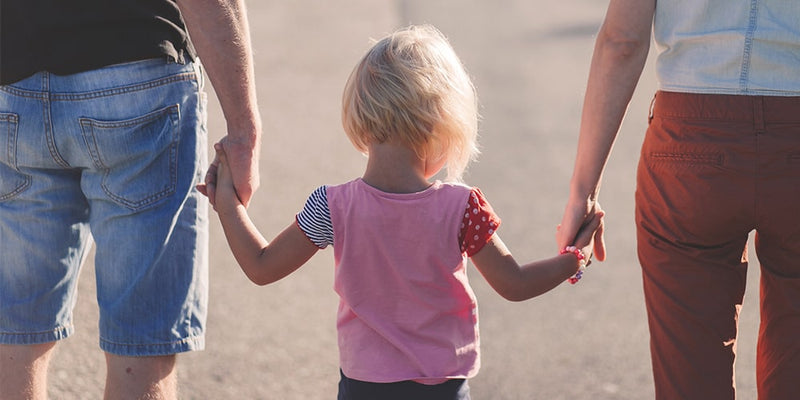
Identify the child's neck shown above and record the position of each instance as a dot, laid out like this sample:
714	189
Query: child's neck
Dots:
394	168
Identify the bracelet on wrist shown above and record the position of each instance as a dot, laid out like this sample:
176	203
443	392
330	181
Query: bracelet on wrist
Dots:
583	262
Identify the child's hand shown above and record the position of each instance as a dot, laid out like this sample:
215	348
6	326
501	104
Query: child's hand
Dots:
208	187
584	240
226	199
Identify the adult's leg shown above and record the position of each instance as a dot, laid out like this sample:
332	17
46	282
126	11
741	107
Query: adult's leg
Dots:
43	239
152	378
147	147
693	215
778	359
23	371
778	249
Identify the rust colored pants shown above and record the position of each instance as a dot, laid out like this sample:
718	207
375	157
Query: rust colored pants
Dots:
714	168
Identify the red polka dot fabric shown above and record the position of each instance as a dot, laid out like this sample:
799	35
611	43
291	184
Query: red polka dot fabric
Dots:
479	223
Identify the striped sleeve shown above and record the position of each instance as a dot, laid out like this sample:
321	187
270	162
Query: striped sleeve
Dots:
315	219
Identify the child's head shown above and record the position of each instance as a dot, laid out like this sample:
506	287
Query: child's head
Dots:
411	88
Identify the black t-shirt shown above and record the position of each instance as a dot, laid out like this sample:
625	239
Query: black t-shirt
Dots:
69	36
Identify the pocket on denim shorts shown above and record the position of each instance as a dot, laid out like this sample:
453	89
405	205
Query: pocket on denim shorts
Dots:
138	156
12	182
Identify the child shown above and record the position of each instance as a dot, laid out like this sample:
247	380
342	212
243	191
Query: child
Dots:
407	318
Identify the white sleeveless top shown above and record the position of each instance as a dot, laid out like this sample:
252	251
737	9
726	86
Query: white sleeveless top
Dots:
746	47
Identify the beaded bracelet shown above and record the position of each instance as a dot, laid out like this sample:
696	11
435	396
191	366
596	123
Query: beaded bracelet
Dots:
582	263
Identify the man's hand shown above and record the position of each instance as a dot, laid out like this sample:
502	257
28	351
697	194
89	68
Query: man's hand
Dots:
242	160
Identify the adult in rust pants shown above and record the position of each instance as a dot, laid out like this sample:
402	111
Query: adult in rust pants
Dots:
714	168
721	159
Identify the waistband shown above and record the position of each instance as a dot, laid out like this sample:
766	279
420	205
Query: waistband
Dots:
733	108
120	78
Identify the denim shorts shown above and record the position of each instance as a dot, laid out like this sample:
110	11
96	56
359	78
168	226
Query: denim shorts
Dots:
109	156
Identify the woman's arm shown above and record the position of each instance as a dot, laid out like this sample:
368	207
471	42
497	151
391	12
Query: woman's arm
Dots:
619	56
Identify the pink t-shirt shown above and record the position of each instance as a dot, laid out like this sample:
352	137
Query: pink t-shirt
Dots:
406	310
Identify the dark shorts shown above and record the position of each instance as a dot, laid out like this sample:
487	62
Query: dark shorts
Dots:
351	389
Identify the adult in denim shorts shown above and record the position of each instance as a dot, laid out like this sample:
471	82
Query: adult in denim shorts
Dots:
720	159
103	139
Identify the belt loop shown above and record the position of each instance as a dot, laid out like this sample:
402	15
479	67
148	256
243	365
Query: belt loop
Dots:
652	109
46	83
758	114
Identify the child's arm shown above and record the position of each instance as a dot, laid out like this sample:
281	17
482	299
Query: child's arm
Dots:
521	282
262	261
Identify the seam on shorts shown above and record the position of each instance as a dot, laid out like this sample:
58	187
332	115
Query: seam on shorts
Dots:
191	343
173	113
59	333
185	76
12	121
168	343
11	136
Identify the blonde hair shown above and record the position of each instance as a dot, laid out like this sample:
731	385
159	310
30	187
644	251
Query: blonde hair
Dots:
411	87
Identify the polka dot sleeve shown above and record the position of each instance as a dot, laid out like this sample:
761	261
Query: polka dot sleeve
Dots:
479	223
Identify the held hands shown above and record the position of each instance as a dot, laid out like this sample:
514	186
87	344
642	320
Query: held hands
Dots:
585	238
243	168
584	244
226	198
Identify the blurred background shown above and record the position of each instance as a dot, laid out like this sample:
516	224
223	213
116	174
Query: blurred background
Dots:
529	62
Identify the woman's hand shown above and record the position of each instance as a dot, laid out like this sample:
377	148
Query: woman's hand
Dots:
590	237
582	226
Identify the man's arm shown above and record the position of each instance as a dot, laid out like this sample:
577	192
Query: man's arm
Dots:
220	32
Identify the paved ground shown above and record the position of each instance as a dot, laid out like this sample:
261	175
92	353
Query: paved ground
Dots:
529	61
